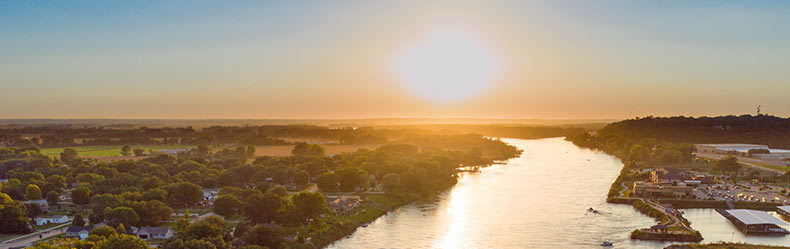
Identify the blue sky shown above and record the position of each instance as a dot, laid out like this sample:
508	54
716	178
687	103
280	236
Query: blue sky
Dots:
330	59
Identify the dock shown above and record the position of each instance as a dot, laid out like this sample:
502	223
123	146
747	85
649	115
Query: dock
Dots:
754	221
783	210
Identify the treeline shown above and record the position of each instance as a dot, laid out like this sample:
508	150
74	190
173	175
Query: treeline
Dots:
762	129
64	136
511	131
147	192
637	152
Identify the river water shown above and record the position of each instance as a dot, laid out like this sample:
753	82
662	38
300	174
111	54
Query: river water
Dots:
538	200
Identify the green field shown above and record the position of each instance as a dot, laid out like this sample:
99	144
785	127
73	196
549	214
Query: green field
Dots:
109	150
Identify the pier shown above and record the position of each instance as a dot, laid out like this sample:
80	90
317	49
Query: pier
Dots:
754	221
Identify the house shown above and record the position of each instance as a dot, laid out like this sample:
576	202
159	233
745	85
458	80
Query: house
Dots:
173	151
78	232
57	219
210	194
154	233
42	204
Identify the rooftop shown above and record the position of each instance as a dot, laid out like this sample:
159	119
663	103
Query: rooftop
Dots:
754	217
76	229
784	208
156	230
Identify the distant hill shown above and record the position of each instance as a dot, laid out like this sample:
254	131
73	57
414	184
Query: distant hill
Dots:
200	123
762	129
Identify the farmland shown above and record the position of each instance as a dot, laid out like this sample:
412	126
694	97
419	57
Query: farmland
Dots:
99	151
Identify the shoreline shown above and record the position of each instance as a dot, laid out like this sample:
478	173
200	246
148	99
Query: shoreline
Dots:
369	212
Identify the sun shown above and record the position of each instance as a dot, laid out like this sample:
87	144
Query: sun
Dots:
447	66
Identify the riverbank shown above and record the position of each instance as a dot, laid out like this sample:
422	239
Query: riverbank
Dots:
373	207
689	204
671	225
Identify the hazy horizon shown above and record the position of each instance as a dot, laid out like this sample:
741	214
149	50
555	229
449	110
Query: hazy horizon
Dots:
412	59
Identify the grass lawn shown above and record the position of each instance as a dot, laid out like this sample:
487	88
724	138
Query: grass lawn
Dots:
48	226
770	166
109	150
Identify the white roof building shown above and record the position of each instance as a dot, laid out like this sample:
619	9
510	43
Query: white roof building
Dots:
755	217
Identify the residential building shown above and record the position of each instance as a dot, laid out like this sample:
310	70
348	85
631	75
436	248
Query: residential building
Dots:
78	232
57	219
154	233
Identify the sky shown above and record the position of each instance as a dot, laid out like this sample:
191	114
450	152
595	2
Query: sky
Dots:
345	59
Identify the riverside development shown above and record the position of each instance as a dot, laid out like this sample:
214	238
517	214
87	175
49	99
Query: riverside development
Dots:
664	192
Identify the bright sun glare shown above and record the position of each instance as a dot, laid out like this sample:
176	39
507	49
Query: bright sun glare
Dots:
447	67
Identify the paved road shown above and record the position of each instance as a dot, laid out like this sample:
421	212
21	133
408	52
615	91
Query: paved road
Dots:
747	161
33	237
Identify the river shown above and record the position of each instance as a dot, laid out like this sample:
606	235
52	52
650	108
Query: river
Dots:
538	200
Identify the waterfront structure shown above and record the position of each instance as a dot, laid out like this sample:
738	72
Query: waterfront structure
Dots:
783	210
754	221
668	175
663	189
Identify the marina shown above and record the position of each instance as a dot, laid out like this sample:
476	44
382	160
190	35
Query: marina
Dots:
754	221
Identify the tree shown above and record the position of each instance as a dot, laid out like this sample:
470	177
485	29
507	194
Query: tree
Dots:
263	208
125	150
13	217
34	210
227	205
53	198
391	182
64	243
305	149
264	236
189	244
728	164
122	215
350	178
327	181
252	247
69	155
308	205
33	192
138	152
55	183
155	194
104	231
184	194
81	195
78	220
302	178
122	241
